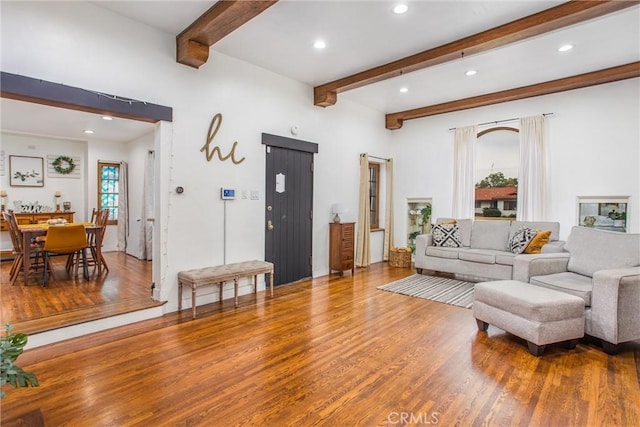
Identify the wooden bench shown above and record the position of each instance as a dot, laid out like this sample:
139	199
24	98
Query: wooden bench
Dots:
220	274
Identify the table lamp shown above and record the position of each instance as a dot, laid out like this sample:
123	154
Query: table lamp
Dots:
336	209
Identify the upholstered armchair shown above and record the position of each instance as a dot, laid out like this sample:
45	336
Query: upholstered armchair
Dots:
601	267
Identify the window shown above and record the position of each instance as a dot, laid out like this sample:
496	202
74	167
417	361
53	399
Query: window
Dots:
497	168
108	189
374	194
509	205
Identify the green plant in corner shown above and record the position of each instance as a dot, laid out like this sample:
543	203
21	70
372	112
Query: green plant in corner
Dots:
426	214
12	346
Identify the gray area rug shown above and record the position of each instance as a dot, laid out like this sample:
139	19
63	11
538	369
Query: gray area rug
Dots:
440	289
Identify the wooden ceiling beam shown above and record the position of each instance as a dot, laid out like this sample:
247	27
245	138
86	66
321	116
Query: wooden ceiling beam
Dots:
560	16
225	16
608	75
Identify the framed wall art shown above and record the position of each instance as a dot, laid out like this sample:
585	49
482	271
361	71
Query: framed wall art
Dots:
26	171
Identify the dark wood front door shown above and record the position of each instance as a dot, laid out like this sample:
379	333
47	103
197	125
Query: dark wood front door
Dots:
289	207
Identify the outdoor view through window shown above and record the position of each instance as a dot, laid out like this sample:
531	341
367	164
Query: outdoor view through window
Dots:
497	165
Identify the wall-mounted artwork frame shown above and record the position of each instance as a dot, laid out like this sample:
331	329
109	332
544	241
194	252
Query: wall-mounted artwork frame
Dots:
26	171
604	212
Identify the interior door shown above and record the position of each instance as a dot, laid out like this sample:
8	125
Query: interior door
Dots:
289	207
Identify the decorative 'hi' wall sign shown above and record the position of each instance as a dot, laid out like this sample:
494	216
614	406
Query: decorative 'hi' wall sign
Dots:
216	122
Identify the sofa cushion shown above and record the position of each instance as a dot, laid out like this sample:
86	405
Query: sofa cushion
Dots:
592	250
464	225
505	258
440	252
539	240
537	225
520	239
490	235
476	255
570	283
447	235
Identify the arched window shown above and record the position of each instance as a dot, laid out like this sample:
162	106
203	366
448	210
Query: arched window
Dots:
497	167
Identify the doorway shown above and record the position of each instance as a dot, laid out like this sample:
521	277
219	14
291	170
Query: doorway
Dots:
75	100
289	207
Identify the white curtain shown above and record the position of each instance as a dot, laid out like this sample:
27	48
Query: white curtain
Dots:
388	213
532	180
464	162
146	227
363	256
123	206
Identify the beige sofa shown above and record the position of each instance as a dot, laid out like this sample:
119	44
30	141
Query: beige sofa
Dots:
602	268
485	253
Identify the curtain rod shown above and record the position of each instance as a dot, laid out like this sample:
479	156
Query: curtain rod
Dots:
375	157
504	121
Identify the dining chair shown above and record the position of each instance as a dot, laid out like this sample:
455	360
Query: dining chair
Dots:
18	248
98	218
66	240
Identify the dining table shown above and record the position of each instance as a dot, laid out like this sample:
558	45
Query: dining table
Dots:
31	231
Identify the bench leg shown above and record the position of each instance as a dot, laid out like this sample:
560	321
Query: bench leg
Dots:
271	282
255	284
179	296
193	300
235	291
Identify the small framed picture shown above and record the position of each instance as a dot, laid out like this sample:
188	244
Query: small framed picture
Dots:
26	171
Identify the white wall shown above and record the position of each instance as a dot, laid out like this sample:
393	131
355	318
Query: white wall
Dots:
593	150
85	46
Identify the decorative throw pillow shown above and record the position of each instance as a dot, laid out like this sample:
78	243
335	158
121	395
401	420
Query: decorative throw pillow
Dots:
446	235
521	239
536	244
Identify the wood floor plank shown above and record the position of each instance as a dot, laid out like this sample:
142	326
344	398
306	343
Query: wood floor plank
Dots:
67	300
325	352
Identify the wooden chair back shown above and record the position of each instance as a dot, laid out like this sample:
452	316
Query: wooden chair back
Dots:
14	231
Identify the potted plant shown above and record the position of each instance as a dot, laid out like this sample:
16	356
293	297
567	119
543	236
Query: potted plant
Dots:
12	346
618	218
426	218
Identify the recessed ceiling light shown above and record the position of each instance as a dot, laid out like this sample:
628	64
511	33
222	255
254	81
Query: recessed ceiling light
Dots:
319	44
107	118
88	131
404	89
470	73
401	8
565	47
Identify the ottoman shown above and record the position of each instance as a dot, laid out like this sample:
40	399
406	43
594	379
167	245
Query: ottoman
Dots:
539	315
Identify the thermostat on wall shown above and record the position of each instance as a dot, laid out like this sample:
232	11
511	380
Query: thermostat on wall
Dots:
227	193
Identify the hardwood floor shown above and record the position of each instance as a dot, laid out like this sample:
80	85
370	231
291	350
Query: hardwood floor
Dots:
329	352
69	300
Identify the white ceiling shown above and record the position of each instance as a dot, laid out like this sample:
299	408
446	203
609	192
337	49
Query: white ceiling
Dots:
363	34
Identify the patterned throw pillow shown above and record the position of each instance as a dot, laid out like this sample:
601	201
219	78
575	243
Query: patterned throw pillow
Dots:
446	235
521	239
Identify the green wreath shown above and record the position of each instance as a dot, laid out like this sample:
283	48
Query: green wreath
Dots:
63	165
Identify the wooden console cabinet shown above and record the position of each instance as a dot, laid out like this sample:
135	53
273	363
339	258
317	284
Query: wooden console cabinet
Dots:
341	244
34	218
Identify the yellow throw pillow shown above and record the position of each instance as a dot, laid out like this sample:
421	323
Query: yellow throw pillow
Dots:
536	244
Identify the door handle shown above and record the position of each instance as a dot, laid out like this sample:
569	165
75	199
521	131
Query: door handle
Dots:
269	225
